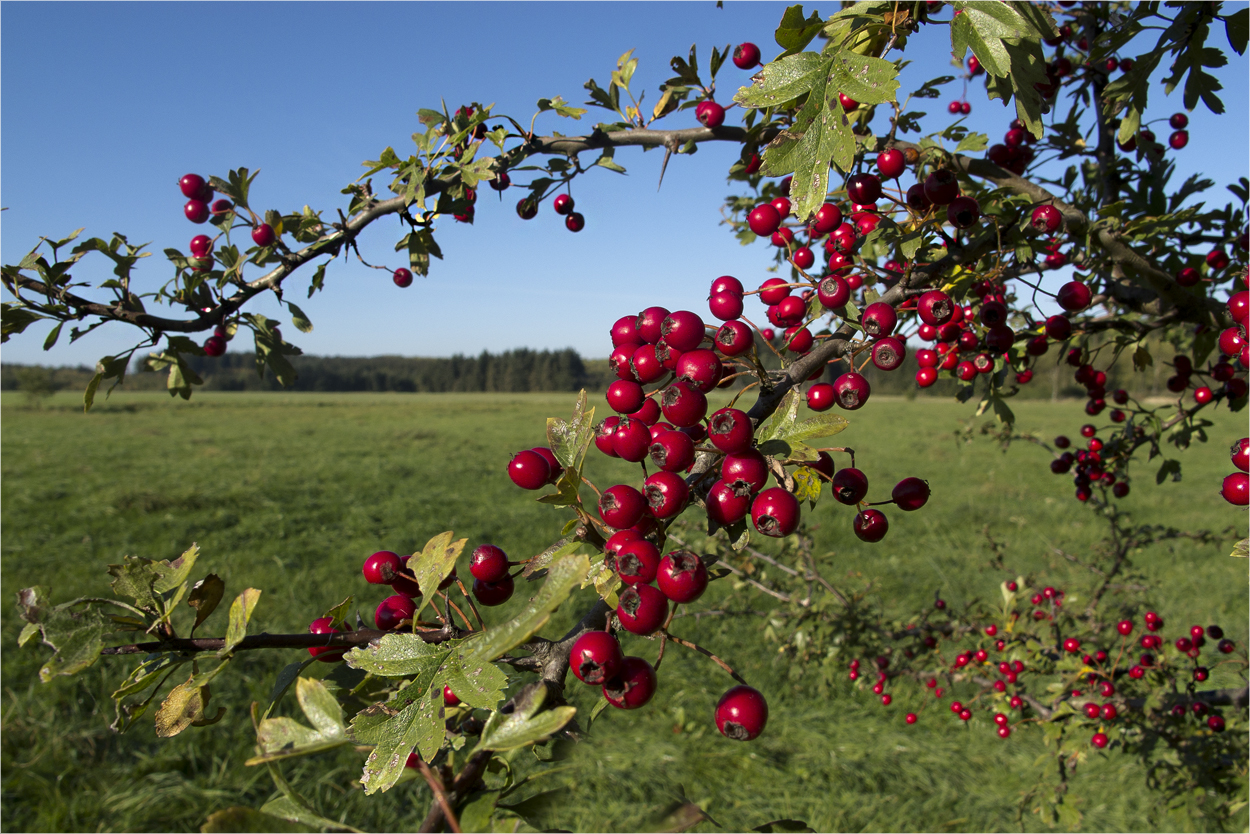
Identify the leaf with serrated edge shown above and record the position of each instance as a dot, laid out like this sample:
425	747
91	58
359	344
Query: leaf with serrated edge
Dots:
563	575
478	684
782	419
569	439
240	613
434	564
176	572
77	636
782	81
525	724
398	656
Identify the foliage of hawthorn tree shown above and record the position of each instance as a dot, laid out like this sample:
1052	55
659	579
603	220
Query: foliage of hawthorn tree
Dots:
933	236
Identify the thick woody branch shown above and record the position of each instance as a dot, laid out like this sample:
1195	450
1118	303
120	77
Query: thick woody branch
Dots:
348	639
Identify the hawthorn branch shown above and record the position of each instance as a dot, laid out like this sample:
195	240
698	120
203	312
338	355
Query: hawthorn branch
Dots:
347	640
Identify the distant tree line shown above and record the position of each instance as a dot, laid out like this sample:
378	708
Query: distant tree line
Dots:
510	371
530	370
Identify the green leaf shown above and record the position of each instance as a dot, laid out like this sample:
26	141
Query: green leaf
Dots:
287	809
289	674
525	725
478	684
135	578
558	104
301	322
77	637
1241	550
240	613
972	142
175	573
806	484
14	319
418	725
242	819
1237	28
204	597
783	80
782	419
607	160
569	439
398	656
284	738
434	564
864	78
795	31
563	575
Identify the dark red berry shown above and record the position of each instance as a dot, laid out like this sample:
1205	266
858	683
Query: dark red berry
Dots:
488	563
682	576
529	470
910	494
871	525
621	506
851	390
642	609
746	55
392	611
381	567
493	593
596	657
741	713
775	512
633	685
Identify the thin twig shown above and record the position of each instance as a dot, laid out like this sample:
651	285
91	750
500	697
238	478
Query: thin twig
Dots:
722	664
436	785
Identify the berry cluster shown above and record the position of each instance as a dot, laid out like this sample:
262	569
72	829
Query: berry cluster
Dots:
1091	692
199	194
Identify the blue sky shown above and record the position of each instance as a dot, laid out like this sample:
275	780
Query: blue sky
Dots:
106	105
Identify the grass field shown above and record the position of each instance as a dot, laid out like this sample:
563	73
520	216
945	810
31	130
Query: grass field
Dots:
288	493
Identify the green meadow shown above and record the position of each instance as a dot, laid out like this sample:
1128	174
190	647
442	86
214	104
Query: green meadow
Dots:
289	492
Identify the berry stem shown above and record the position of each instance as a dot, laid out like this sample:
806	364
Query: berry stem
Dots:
469	599
696	647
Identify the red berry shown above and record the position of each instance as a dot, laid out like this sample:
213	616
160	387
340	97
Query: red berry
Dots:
871	525
621	506
575	222
1074	296
488	563
820	397
775	512
642	609
666	494
1236	489
683	405
529	470
710	114
194	187
633	685
493	593
741	713
911	494
263	235
726	505
941	187
381	567
1099	740
764	220
851	390
562	204
596	657
637	562
879	319
746	55
196	211
730	430
682	576
325	654
215	345
392	611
